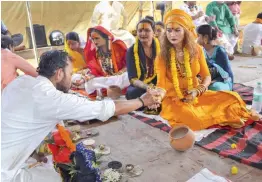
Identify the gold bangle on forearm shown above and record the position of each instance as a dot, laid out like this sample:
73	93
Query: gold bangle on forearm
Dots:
201	88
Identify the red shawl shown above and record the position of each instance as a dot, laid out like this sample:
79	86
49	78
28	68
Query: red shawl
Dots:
117	47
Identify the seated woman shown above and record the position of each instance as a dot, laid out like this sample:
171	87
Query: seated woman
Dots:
141	59
186	101
11	62
105	58
217	59
74	46
160	29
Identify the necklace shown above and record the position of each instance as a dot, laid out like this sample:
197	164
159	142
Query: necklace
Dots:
175	74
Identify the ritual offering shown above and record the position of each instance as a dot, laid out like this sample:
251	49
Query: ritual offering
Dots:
89	143
181	138
114	92
129	167
115	165
133	171
111	175
158	94
102	149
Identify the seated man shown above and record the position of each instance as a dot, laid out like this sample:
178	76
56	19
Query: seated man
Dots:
225	24
196	12
109	14
32	107
10	62
252	39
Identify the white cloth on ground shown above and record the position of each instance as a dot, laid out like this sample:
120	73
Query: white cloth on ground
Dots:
104	82
109	16
199	135
31	108
207	176
252	36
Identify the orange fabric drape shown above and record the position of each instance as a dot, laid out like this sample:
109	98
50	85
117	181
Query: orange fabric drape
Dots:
212	107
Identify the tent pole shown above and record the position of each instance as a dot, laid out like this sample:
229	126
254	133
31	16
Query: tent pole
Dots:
140	10
31	30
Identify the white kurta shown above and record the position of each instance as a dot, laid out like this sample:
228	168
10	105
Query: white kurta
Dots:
252	37
109	16
199	21
31	108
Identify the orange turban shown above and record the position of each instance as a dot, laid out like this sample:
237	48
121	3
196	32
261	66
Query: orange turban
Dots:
182	18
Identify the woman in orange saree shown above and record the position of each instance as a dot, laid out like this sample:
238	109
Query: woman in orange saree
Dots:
187	101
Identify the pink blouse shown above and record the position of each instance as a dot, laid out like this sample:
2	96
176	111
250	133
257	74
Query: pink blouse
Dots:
10	62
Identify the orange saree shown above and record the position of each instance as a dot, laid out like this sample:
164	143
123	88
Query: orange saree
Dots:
221	107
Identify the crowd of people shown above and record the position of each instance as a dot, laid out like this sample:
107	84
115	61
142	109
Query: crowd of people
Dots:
181	65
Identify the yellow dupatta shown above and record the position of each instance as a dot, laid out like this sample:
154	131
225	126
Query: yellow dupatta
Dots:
77	59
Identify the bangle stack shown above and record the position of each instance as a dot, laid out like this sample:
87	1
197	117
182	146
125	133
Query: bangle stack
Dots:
200	89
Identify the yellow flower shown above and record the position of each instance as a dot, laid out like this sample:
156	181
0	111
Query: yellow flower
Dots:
234	170
233	146
137	61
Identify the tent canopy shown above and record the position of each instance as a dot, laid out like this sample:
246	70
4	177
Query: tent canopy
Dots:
75	16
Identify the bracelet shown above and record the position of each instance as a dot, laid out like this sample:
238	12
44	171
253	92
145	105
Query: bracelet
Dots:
141	101
201	89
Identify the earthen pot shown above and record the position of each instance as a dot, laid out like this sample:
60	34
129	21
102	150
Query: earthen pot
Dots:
114	92
181	138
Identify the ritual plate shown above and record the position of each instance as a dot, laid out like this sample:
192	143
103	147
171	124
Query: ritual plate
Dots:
105	151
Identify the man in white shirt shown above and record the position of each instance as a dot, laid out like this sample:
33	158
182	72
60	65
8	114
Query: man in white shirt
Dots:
195	11
252	38
31	108
108	14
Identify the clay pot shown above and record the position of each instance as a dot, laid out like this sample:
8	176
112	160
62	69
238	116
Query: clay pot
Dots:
114	92
181	138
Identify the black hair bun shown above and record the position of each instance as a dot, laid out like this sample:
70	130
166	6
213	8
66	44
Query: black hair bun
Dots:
150	18
213	33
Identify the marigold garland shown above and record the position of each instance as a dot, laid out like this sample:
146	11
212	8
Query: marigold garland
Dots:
137	61
174	72
65	136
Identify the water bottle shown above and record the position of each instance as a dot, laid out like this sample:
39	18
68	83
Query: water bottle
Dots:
257	98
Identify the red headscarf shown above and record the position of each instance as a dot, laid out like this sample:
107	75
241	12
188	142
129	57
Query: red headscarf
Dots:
117	47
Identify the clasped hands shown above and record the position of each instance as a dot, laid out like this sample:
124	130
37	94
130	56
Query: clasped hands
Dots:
85	76
153	97
190	96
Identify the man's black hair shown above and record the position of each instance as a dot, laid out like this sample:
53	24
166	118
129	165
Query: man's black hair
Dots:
6	42
259	15
50	61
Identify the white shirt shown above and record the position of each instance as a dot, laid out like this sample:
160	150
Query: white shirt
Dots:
82	42
31	108
199	21
252	37
107	15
